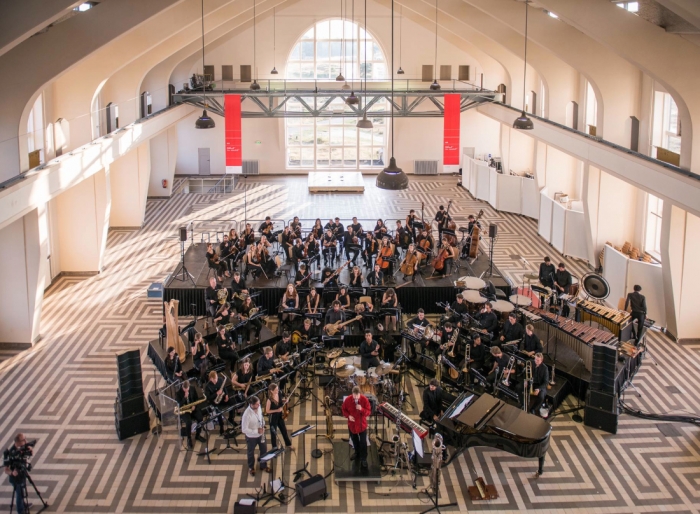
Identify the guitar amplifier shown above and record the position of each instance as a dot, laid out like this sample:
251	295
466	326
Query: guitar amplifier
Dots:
311	490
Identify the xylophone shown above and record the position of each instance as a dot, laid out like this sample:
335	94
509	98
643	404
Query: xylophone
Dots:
608	317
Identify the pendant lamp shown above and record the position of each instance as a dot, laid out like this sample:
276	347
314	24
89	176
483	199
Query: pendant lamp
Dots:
400	70
522	122
364	123
204	121
435	86
340	77
274	41
254	86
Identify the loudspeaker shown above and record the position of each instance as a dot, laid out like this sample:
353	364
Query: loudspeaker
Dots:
311	490
493	230
604	367
132	425
244	509
597	418
130	406
602	401
183	234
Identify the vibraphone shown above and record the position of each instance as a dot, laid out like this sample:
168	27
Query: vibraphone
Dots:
617	321
575	335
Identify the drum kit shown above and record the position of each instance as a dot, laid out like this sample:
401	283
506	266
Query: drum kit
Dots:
375	381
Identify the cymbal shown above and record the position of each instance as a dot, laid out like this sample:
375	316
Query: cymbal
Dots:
337	352
383	369
339	362
531	276
346	372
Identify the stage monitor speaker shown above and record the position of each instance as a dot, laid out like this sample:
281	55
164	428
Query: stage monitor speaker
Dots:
493	230
602	401
183	234
311	490
244	509
598	418
130	406
132	425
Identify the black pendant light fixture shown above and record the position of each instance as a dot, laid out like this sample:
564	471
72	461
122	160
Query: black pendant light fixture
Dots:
353	99
204	121
400	70
342	47
254	86
340	77
274	41
522	122
392	177
364	123
435	86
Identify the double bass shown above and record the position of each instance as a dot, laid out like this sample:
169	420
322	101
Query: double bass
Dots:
474	236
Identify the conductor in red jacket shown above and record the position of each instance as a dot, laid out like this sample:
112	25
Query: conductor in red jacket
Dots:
357	409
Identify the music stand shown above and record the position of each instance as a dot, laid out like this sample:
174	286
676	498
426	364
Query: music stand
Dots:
231	433
302	432
275	495
206	451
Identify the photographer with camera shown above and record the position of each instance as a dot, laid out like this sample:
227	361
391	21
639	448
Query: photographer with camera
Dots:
17	461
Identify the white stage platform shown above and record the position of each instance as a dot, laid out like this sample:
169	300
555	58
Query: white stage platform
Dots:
336	181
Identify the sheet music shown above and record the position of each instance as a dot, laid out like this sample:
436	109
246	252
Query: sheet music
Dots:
461	406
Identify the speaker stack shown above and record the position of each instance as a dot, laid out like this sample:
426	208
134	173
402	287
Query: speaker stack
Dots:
311	490
601	401
130	413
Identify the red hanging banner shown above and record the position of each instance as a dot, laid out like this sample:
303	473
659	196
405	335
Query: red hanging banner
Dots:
233	138
450	155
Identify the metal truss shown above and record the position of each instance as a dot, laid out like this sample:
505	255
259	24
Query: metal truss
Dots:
319	103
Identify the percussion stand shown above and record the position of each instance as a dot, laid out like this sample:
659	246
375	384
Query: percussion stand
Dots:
182	269
491	245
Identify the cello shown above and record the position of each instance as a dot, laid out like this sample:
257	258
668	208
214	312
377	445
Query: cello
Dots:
444	254
408	266
474	236
385	253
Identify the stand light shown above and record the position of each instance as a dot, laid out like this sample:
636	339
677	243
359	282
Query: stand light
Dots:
522	122
204	121
392	177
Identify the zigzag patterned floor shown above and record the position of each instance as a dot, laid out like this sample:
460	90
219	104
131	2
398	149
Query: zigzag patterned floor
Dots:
62	390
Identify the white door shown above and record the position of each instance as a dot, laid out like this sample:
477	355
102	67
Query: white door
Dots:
204	161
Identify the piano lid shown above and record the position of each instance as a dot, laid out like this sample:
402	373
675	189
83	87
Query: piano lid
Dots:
505	419
480	411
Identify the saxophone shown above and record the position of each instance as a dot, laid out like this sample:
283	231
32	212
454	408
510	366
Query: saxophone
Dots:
220	396
453	342
186	409
329	417
438	449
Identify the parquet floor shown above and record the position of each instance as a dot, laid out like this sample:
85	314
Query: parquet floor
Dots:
62	390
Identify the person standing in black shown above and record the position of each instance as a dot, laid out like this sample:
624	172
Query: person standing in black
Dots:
531	343
226	349
228	251
238	287
210	297
562	282
297	254
432	401
540	379
512	330
213	388
546	274
441	218
487	320
369	352
638	303
185	396
274	408
329	243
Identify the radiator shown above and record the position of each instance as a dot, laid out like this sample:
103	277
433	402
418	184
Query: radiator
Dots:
251	168
425	167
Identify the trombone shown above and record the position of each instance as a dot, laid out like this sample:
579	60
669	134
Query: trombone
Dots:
528	382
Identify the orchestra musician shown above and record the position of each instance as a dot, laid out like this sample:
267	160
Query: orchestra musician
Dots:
307	331
410	219
329	243
266	227
201	356
297	254
302	277
329	279
226	349
233	237
356	408
487	320
274	408
380	230
312	301
254	261
338	232
317	229
441	218
457	310
447	334
243	377
369	352
290	300
500	367
343	297
356	279
547	271
370	249
416	324
512	330
311	249
266	363
376	278
448	254
255	323
228	251
531	343
402	237
248	235
334	315
471	223
390	301
477	355
351	244
223	315
215	386
288	238
357	227
296	226
562	282
266	261
432	401
173	367
185	396
540	379
424	241
638	305
221	267
409	266
238	288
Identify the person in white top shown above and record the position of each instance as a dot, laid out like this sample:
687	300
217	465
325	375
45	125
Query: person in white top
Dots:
253	427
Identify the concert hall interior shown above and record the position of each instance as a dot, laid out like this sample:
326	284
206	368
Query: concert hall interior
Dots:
415	255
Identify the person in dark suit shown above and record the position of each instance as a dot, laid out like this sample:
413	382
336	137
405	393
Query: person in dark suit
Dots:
432	401
546	274
185	396
210	297
369	351
638	304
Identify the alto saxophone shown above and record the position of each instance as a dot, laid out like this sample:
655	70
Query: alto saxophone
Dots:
221	395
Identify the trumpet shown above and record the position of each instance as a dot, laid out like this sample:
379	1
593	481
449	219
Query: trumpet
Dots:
507	371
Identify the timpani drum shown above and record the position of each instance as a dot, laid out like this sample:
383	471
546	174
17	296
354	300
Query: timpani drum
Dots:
473	299
503	308
530	293
474	283
520	300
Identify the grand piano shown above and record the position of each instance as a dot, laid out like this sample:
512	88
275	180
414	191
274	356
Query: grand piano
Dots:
482	420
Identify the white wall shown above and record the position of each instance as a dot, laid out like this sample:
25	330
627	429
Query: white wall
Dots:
163	159
562	174
129	181
15	324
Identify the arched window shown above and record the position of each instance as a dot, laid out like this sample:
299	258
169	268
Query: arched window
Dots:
332	140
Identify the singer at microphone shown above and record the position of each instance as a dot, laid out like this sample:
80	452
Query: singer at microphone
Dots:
356	408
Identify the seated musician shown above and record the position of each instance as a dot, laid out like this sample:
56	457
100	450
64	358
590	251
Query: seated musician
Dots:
185	396
226	348
457	310
254	263
425	241
312	301
266	363
211	298
415	325
290	300
385	256
343	297
313	252
297	253
266	227
238	288
307	332
248	235
369	352
357	227
317	229
329	244
380	230
173	367
376	278
369	249
268	263
233	238
477	356
487	320
512	330
448	332
221	267
283	350
335	315
449	253
338	231
214	387
390	301
245	314
351	245
499	368
356	279
362	308
432	402
547	271
243	377
228	252
223	315
409	266
531	343
329	279
201	356
562	283
540	379
296	226
288	238
302	277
